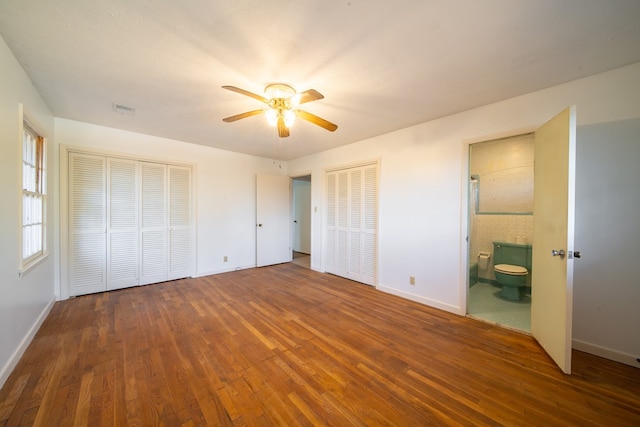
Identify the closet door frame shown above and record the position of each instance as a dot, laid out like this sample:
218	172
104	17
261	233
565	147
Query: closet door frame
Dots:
331	237
63	286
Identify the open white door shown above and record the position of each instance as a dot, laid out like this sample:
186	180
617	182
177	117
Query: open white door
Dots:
553	227
273	220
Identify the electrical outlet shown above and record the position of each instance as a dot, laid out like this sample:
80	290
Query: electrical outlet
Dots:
226	258
412	280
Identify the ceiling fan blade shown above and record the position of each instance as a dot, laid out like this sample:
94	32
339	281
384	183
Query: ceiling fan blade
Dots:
317	120
308	96
247	93
242	116
283	131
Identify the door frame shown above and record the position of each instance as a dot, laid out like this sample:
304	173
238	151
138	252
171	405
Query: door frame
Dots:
293	201
62	286
268	182
366	162
465	244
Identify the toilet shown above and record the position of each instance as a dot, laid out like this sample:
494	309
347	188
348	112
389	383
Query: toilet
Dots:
512	264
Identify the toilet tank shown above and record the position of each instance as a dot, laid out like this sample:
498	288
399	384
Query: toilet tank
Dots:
512	253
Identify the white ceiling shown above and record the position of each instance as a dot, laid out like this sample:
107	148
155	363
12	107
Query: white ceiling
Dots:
382	65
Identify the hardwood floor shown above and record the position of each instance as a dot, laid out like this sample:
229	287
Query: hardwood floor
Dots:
285	345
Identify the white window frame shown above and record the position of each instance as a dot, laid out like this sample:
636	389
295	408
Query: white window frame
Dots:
33	199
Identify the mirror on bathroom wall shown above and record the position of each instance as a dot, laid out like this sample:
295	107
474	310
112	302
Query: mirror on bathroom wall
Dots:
502	176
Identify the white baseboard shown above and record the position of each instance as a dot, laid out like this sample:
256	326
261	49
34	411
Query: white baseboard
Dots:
607	353
222	270
422	300
17	354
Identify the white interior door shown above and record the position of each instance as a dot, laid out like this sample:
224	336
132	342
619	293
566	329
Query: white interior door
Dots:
273	219
553	227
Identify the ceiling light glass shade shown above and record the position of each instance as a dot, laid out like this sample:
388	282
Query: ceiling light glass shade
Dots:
279	90
272	117
294	101
289	117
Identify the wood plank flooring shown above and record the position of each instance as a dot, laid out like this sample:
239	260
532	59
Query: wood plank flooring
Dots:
284	345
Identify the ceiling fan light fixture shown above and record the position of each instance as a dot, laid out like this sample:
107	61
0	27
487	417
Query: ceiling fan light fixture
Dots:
282	101
272	117
289	117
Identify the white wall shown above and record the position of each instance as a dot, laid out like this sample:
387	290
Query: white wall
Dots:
225	189
423	195
25	301
607	278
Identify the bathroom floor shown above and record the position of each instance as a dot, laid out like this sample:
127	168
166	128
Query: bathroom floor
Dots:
485	303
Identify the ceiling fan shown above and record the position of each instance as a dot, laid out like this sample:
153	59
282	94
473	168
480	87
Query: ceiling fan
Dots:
282	107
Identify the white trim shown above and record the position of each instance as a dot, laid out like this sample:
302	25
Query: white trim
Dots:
422	300
8	368
465	225
607	353
223	270
357	164
465	229
301	174
65	149
26	265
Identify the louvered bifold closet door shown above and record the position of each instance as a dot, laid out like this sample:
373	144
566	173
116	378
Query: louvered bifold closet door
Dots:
122	224
352	223
332	222
355	224
153	223
342	236
337	222
87	224
369	253
179	222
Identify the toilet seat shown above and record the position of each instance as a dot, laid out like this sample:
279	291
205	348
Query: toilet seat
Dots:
513	270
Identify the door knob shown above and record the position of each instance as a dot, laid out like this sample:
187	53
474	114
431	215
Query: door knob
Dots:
560	253
259	225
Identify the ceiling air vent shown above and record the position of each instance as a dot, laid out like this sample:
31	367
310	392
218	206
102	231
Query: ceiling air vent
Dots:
124	109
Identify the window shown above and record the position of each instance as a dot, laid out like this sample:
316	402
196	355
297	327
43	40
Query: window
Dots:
34	199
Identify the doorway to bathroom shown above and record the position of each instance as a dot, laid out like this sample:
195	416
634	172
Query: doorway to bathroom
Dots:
500	231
